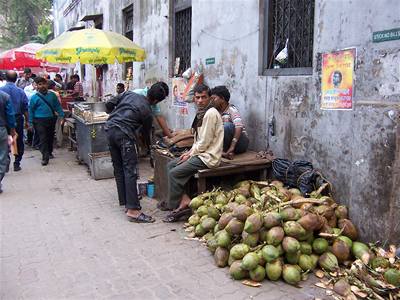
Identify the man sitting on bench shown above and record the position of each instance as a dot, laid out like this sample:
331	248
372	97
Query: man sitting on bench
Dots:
236	140
205	153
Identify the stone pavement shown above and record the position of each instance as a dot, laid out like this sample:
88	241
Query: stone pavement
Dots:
63	236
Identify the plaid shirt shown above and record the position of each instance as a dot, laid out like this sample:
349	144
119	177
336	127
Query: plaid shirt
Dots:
232	115
78	88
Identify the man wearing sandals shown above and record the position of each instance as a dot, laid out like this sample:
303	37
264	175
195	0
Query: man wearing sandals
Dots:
205	153
129	112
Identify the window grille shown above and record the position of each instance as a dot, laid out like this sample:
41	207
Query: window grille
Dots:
293	20
183	30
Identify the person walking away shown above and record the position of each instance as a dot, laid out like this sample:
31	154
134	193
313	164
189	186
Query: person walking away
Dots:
205	153
20	106
3	81
128	112
44	108
236	140
25	80
7	126
32	139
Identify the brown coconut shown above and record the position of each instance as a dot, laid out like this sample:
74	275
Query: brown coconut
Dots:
310	222
230	206
234	227
325	211
341	250
242	212
272	219
341	212
224	219
348	228
332	221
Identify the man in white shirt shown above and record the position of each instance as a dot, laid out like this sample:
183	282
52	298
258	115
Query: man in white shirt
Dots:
205	153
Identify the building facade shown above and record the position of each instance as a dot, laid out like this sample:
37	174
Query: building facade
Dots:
236	41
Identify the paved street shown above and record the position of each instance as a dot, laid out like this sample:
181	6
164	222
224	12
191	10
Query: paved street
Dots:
63	236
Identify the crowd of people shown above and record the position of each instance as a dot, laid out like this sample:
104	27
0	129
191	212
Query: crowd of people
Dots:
31	104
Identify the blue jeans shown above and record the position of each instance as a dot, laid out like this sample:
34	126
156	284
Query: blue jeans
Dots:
4	157
229	132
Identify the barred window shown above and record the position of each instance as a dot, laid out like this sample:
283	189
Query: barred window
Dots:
182	35
288	36
128	32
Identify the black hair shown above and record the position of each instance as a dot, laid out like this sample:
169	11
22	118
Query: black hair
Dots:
75	76
158	91
11	76
221	91
120	84
33	76
2	76
50	84
58	75
338	73
39	79
27	71
199	88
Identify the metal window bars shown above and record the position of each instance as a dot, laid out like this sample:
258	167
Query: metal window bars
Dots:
183	30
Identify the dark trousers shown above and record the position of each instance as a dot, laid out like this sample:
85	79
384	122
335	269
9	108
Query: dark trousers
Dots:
229	132
45	127
4	158
124	158
20	139
32	138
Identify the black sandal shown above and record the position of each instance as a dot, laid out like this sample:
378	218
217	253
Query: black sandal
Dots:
175	216
163	206
142	218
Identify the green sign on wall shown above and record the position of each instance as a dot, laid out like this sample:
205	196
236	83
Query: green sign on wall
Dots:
386	35
210	61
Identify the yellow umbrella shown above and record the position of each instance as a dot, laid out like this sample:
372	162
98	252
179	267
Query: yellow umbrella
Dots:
91	46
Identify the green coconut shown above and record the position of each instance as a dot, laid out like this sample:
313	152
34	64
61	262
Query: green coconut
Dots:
293	258
199	230
208	224
250	239
240	199
257	274
306	262
345	239
203	218
305	248
261	260
250	261
221	256
202	211
237	272
269	253
392	277
242	212
263	234
328	262
208	236
361	251
293	229
253	223
290	245
221	199
337	231
275	236
216	228
274	270
239	251
196	202
212	244
320	245
212	212
224	219
291	274
234	227
380	262
308	235
314	259
230	260
341	212
290	214
194	220
280	249
272	219
223	239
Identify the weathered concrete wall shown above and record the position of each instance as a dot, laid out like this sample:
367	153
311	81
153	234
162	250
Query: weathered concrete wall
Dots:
357	150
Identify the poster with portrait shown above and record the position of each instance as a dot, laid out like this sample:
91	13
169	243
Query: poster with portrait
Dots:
338	79
178	87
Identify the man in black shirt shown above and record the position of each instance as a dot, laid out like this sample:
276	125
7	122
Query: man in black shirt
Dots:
129	112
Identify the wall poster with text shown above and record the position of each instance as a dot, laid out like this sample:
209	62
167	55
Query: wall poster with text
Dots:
337	81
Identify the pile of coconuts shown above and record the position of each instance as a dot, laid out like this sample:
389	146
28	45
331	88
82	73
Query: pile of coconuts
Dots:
262	230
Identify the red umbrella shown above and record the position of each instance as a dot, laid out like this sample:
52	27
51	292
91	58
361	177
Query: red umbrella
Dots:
20	58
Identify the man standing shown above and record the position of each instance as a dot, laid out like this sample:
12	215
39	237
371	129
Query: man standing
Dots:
26	80
129	112
7	125
20	106
42	115
205	153
77	92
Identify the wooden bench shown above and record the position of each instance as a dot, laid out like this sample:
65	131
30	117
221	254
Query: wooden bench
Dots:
242	164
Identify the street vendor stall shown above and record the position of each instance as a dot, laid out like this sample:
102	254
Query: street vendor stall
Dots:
91	46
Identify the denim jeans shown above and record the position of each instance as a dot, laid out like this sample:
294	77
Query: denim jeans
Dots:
4	157
229	132
124	158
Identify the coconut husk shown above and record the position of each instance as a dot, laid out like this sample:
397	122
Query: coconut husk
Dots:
341	250
310	222
348	228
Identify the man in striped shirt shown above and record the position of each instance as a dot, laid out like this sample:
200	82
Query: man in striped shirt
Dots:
236	140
